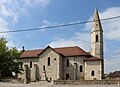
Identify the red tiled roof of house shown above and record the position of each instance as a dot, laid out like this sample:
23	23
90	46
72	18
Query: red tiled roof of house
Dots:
66	51
93	59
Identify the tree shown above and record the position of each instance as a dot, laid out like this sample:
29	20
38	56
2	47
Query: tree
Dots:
9	59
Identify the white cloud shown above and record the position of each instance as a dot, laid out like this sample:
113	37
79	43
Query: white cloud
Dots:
112	64
4	10
14	10
5	1
79	39
3	26
11	10
46	23
111	27
28	2
41	3
10	44
111	32
3	23
8	10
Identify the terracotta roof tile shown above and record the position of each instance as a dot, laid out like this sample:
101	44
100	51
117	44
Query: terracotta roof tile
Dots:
89	53
71	51
66	51
31	53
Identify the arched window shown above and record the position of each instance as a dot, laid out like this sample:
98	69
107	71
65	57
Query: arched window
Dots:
81	68
92	73
96	38
48	61
30	64
67	62
96	24
43	67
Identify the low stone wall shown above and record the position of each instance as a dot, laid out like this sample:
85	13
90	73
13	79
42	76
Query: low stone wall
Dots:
10	80
78	82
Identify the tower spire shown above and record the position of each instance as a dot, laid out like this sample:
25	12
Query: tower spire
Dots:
96	15
97	36
97	24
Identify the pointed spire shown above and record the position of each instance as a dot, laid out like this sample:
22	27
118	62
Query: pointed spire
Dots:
96	23
96	15
96	10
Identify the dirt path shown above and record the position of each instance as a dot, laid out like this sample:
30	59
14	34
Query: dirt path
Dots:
35	84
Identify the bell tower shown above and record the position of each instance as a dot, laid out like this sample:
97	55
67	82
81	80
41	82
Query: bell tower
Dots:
97	37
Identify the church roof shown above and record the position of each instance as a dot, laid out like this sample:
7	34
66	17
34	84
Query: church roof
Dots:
65	51
31	53
71	51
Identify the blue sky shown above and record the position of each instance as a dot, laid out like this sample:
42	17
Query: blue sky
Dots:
24	14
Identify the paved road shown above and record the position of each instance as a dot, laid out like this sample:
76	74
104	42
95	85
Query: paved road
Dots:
6	84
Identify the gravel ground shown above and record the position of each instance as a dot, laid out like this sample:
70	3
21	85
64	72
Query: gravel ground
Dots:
6	84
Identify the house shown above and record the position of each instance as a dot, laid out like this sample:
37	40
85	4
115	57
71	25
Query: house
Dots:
113	76
66	63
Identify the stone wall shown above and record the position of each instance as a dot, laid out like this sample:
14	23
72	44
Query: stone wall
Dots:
26	62
79	82
51	72
97	47
74	68
96	66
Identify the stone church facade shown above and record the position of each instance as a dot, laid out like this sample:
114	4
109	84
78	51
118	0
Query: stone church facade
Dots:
66	63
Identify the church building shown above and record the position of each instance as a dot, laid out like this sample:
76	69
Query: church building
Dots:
66	63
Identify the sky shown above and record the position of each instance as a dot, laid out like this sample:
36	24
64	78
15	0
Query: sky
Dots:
26	14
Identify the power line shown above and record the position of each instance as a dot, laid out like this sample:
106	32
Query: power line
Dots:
111	56
57	26
113	62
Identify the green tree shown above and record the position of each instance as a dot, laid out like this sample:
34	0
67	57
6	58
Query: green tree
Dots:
9	59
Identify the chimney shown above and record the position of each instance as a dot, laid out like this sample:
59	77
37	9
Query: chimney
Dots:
23	49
